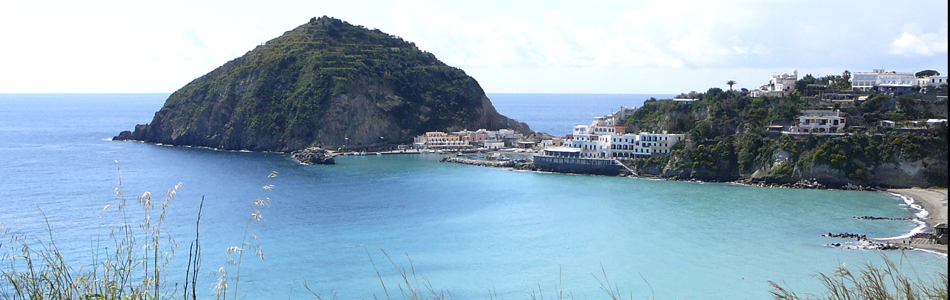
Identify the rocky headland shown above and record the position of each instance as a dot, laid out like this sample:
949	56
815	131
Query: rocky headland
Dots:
325	84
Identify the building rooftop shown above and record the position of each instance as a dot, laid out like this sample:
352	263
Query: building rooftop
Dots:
563	149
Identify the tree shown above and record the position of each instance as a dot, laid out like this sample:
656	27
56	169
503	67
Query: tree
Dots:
702	131
801	84
846	75
731	83
713	93
926	73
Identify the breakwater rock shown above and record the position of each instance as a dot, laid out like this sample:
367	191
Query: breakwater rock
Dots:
867	244
871	246
801	184
314	156
882	218
848	235
482	163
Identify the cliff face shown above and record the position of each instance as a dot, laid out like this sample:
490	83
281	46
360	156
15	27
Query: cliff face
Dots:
325	83
905	173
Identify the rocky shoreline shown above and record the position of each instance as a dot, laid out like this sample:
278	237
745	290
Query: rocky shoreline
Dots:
808	184
800	184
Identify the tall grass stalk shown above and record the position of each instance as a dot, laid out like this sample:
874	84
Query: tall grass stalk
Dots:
194	258
222	286
410	287
886	282
129	270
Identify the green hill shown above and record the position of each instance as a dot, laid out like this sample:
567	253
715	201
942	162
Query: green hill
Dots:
325	83
729	140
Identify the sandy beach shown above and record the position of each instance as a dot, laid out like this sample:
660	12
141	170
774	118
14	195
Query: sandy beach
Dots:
935	203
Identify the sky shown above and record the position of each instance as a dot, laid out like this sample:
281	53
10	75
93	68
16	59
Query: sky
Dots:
593	46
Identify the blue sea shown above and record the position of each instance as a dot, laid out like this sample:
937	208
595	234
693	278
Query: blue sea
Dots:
465	231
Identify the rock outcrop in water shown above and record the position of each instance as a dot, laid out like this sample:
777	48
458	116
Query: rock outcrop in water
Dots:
325	83
314	156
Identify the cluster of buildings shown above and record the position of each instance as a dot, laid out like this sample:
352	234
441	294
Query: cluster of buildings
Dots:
464	140
877	80
828	121
833	122
892	81
605	138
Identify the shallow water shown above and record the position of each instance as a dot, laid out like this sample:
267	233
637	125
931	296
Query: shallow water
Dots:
470	230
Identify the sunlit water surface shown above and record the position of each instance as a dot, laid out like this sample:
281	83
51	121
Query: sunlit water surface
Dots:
473	232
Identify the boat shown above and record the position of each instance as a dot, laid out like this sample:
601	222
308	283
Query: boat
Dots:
497	156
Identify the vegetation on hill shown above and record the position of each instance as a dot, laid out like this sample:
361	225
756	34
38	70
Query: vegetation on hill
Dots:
325	83
729	140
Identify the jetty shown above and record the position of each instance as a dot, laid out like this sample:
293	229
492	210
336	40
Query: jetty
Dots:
482	163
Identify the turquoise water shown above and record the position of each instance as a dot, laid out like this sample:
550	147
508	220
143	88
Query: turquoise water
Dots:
469	230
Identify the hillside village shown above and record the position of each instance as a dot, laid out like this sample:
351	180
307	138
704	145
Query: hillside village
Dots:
606	137
848	130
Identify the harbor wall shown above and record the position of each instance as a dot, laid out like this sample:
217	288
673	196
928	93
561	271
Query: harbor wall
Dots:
596	166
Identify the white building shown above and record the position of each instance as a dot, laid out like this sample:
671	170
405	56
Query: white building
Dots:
819	122
643	144
603	138
932	81
778	85
593	139
494	145
882	80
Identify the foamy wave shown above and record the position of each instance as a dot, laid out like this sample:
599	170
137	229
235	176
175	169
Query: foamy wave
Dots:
920	213
921	228
932	252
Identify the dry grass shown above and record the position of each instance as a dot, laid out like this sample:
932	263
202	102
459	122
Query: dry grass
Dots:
871	282
130	267
130	264
221	288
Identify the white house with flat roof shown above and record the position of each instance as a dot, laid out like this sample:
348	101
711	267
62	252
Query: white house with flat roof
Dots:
778	85
643	144
819	122
931	81
883	80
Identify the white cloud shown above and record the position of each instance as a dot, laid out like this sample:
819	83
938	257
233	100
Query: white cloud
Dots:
927	44
159	46
909	44
656	34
